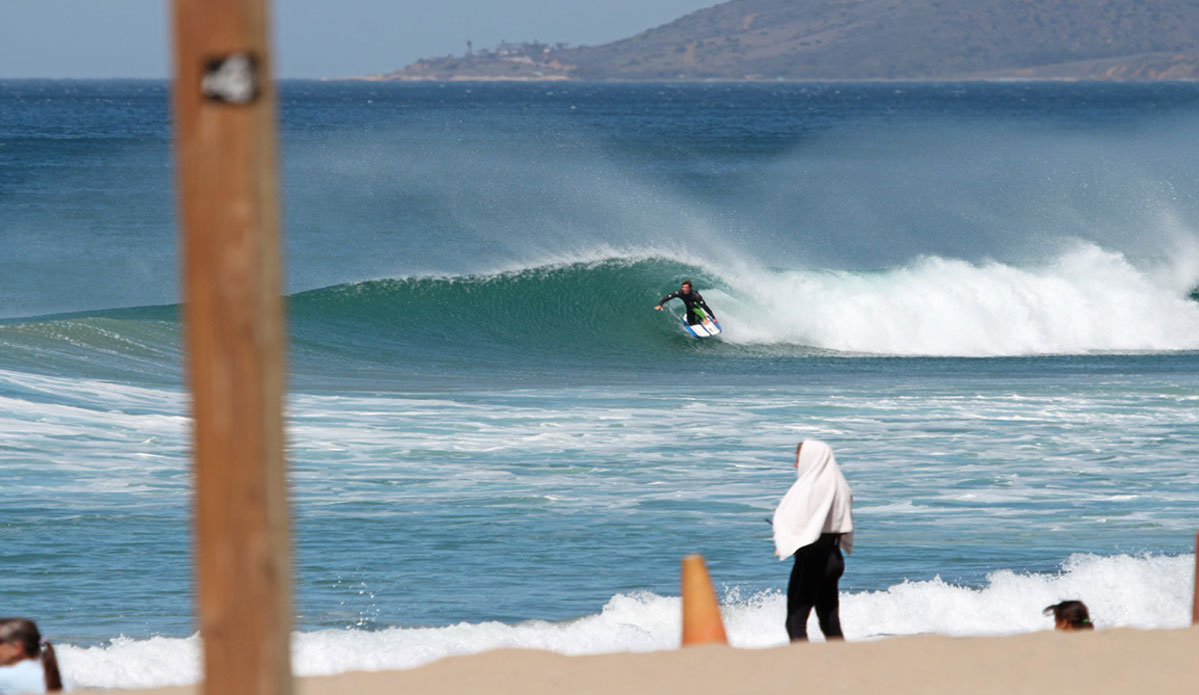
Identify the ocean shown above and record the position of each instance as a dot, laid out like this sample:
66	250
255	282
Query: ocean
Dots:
985	297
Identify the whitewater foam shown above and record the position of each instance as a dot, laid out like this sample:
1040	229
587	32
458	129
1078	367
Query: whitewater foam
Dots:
1085	300
1149	592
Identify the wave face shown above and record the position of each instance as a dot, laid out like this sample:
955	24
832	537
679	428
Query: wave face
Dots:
1151	592
585	310
1085	300
134	345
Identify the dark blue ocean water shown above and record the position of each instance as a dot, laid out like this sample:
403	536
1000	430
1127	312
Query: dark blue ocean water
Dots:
982	295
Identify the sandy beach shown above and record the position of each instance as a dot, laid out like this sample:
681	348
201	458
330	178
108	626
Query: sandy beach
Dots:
1107	661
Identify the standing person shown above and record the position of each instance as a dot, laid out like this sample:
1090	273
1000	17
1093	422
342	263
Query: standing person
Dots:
1070	616
692	300
27	662
814	522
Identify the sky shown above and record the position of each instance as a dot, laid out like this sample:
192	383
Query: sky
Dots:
311	38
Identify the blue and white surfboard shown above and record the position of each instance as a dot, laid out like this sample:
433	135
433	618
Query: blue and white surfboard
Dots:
706	329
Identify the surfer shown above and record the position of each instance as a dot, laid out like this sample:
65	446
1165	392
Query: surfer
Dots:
814	522
693	301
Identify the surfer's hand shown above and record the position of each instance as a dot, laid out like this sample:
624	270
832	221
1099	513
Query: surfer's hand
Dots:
658	308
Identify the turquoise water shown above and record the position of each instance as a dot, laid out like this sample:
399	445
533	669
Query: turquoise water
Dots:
980	295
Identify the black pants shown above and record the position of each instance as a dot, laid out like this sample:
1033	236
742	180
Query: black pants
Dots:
814	585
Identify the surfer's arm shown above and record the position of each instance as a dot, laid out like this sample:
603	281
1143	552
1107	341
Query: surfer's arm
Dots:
667	298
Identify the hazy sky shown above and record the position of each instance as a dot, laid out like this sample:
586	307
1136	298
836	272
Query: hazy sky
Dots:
312	38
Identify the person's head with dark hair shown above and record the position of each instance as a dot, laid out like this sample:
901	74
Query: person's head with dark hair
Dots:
1070	615
21	640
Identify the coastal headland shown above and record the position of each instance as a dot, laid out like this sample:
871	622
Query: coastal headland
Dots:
946	40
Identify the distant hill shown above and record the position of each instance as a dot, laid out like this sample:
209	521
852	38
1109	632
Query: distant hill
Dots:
869	40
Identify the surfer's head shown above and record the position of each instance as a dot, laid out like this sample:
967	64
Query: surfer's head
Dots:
686	286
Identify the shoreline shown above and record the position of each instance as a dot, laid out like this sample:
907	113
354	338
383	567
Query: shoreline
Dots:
1118	660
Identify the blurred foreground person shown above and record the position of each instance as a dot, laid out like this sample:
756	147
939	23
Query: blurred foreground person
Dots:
1070	616
27	662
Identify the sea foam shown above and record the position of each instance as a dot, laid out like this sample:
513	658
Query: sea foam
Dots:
1085	300
1148	592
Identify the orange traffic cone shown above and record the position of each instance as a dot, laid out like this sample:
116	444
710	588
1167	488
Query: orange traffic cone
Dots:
701	611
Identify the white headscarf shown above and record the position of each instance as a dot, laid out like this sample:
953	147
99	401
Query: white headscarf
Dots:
819	502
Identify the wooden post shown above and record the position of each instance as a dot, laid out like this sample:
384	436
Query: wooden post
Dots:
224	108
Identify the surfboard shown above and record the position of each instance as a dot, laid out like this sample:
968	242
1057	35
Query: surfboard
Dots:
707	329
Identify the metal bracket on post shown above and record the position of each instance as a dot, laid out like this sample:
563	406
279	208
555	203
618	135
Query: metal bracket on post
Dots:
232	79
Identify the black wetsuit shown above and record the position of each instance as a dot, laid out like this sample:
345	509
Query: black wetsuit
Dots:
813	583
693	300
